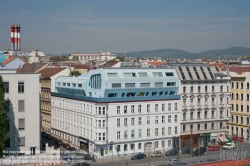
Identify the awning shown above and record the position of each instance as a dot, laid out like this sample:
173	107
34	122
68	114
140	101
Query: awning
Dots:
223	139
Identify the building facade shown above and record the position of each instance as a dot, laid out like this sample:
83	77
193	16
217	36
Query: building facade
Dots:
113	111
48	77
205	104
22	93
240	88
104	56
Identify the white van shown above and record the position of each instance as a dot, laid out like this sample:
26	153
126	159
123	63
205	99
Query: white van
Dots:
230	145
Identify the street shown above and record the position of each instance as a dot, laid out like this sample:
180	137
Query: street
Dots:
125	160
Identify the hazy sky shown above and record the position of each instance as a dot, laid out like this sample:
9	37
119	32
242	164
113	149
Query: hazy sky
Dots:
64	26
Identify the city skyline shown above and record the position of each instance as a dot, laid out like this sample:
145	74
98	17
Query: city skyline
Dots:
126	26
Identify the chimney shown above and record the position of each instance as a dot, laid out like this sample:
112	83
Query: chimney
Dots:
97	64
15	37
91	65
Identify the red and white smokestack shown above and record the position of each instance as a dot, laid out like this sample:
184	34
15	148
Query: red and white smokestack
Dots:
15	30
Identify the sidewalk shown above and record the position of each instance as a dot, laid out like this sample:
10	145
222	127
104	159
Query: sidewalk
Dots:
228	163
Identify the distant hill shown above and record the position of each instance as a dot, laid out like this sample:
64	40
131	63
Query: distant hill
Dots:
233	52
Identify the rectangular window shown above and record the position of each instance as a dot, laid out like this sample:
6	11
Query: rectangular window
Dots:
175	106
144	85
132	109
169	74
163	107
125	134
212	126
169	106
176	118
163	119
198	127
184	128
103	136
175	130
132	133
139	108
156	107
148	119
112	75
118	135
6	87
21	124
140	133
157	74
118	110
169	130
143	74
132	121
21	106
125	121
171	84
156	120
169	118
139	146
21	141
118	122
139	121
169	143
148	132
20	87
156	132
163	131
148	107
129	85
125	109
158	84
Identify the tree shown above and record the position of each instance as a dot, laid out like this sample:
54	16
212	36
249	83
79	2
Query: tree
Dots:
75	58
75	73
120	58
64	57
4	119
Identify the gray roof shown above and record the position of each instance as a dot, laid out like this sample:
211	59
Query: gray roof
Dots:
197	72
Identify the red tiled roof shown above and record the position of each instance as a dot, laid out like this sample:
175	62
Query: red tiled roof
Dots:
29	68
156	63
110	64
8	60
237	69
49	72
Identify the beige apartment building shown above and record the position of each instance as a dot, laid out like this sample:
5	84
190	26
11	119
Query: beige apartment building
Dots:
240	90
47	80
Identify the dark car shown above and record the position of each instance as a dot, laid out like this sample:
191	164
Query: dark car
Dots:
58	142
185	151
211	160
202	148
172	152
44	134
72	149
66	146
138	156
196	152
87	157
48	136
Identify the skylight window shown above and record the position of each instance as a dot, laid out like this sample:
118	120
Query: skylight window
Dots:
157	74
143	74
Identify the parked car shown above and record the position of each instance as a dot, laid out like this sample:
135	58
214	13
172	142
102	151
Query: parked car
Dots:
172	152
66	146
138	156
230	145
173	162
87	157
156	154
211	160
185	151
58	142
44	134
214	148
196	152
204	149
72	149
48	136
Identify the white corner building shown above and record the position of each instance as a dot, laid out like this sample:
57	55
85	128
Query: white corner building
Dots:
22	93
117	111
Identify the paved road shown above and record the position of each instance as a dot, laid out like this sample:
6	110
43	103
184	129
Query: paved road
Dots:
125	160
